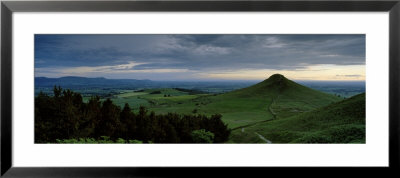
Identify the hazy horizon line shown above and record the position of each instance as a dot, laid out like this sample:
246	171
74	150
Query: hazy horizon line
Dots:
204	80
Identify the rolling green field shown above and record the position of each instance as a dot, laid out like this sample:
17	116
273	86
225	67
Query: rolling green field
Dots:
276	97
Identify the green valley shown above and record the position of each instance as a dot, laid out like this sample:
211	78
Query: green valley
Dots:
275	110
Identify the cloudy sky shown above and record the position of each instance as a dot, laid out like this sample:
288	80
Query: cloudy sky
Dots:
201	57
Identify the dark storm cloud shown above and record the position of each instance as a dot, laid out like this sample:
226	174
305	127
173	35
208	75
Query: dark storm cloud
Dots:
199	52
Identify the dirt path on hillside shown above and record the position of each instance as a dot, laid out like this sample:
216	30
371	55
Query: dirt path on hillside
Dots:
271	110
248	125
263	138
270	107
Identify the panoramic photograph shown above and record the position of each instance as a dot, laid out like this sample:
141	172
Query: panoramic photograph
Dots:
199	88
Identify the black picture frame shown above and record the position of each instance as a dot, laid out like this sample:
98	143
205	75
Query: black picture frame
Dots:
8	7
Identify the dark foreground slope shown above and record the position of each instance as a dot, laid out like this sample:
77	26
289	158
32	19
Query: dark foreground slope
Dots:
341	122
66	118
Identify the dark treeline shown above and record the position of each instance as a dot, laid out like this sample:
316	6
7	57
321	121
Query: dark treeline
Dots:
66	116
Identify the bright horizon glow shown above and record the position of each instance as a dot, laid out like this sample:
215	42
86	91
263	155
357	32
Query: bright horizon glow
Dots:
326	73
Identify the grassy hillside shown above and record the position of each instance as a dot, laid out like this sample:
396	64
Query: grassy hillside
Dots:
275	97
341	122
284	97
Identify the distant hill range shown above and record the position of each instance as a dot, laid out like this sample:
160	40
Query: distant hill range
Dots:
77	83
84	81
